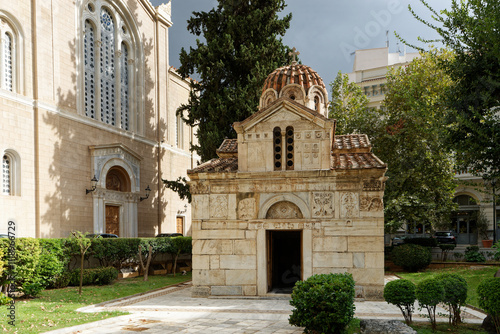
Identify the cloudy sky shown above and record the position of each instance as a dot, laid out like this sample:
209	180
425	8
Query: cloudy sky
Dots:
325	32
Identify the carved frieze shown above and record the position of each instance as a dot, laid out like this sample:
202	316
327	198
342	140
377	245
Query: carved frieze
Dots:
218	206
199	188
373	185
285	226
368	203
284	210
322	205
349	205
246	208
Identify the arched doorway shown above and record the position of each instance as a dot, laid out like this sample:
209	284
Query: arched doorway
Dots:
118	180
284	249
463	221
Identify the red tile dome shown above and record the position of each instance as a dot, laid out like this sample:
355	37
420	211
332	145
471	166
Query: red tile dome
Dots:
293	74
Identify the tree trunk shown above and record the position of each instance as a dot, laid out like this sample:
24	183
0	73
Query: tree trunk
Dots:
81	274
145	270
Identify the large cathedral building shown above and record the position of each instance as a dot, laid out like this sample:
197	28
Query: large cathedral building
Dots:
87	119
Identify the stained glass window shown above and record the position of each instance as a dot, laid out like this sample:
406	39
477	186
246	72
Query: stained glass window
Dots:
124	87
107	65
8	62
89	60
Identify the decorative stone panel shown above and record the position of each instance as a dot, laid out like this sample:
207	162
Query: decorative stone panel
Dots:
368	203
284	210
218	206
373	185
349	205
246	208
322	205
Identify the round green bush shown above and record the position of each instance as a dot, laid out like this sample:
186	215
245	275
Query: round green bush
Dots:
489	298
94	276
323	303
411	257
455	294
401	293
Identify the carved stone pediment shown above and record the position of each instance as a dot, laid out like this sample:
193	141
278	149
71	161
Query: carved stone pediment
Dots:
284	210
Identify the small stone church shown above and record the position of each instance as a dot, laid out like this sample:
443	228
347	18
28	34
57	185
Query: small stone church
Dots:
288	199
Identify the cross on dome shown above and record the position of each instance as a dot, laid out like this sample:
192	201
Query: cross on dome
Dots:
294	53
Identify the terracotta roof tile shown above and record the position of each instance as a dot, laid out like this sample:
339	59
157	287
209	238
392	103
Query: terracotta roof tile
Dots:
218	165
355	161
356	143
228	149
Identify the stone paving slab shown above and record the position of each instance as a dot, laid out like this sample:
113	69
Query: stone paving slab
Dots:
172	310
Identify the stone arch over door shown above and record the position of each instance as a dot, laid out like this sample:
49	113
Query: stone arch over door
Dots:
292	204
117	169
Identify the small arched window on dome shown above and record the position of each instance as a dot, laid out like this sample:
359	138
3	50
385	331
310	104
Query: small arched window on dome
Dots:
277	148
289	148
316	103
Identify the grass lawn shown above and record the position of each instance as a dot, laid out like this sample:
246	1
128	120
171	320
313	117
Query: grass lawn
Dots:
57	308
473	275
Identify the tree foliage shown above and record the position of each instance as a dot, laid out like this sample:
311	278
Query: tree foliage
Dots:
349	106
421	180
470	29
407	134
242	47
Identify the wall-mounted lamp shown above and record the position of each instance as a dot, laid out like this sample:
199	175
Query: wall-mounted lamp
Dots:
148	190
179	212
94	185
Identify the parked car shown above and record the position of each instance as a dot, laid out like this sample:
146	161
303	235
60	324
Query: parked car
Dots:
169	235
445	237
102	235
4	235
398	240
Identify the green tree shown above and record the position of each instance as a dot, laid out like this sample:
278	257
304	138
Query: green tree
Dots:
242	47
470	29
421	181
349	106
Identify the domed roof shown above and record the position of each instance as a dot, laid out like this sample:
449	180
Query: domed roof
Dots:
293	74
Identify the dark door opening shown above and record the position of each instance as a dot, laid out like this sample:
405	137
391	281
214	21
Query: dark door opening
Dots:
284	260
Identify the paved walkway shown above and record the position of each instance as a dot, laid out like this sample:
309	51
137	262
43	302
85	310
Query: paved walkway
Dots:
172	310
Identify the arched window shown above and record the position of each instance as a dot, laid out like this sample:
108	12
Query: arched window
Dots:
10	53
111	74
10	173
289	148
179	132
6	175
277	148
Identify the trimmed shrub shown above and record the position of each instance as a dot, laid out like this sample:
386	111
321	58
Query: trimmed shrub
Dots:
52	261
323	303
489	298
411	257
455	294
62	280
472	254
430	292
95	276
4	299
114	251
401	293
426	242
445	249
27	252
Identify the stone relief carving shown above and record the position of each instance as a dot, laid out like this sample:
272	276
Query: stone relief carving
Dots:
282	210
322	205
218	206
367	203
349	205
373	185
199	188
246	208
285	226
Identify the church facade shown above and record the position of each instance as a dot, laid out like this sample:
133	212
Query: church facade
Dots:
288	198
88	120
